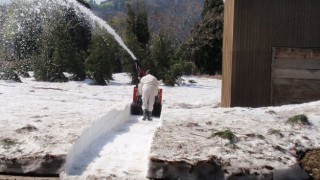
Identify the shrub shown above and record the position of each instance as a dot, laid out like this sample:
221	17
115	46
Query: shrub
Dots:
226	134
275	132
26	129
102	57
7	143
259	136
7	73
300	119
173	75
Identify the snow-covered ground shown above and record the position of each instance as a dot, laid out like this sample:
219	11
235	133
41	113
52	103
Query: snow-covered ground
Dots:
93	126
46	118
263	141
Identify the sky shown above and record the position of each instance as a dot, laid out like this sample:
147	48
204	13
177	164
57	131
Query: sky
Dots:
92	125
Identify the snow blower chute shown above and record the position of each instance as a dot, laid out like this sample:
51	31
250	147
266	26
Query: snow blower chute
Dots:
136	105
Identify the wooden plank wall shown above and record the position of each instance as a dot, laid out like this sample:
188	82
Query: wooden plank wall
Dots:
295	75
252	29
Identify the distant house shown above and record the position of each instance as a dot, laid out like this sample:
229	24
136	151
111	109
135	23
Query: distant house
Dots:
271	52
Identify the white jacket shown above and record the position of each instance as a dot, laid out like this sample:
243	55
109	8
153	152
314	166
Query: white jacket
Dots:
149	83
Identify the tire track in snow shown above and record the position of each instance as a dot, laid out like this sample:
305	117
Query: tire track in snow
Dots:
121	153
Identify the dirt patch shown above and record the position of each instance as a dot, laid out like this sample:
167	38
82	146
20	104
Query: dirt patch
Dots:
26	129
202	170
311	163
48	165
8	143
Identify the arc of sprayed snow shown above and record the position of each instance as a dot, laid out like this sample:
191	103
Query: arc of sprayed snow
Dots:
103	24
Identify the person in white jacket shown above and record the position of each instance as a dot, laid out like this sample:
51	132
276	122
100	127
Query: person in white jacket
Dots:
148	88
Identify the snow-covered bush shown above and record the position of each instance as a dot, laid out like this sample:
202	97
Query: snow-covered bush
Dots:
7	73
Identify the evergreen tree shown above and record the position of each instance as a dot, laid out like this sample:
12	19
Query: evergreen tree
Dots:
162	53
138	23
63	49
100	63
50	63
42	62
141	26
55	39
170	63
26	40
79	30
21	29
127	61
205	43
137	37
182	57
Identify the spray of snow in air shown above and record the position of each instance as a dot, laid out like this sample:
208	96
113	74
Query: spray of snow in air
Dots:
44	8
102	23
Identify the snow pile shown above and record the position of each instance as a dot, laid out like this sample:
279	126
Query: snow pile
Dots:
115	116
121	153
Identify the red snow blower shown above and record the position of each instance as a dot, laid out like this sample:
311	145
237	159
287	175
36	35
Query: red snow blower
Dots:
136	105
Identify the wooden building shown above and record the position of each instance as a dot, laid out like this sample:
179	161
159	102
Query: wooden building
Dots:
253	31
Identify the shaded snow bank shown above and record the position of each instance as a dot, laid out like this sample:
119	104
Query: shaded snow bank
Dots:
116	116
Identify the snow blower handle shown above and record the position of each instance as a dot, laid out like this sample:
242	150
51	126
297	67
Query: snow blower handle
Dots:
140	71
137	64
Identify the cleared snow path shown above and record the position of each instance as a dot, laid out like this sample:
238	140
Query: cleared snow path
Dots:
121	153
